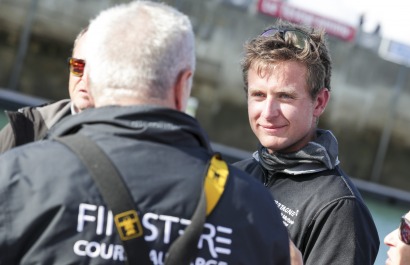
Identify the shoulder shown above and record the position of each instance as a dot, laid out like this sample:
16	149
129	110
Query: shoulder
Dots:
245	186
51	113
252	167
31	152
34	170
329	185
46	111
249	165
339	194
36	158
243	176
246	163
337	184
351	215
55	106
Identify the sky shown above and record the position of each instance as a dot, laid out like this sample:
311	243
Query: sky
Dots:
393	15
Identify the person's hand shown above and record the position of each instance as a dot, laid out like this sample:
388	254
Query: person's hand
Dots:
295	254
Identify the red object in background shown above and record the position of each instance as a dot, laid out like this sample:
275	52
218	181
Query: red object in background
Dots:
296	15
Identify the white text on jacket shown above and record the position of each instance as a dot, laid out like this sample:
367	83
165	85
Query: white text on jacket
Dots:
158	228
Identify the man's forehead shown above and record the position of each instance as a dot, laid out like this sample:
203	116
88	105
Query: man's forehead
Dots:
267	70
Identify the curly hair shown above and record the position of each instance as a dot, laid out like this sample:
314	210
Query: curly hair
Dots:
264	52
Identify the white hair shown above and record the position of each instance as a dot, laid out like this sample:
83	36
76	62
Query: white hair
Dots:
137	50
79	37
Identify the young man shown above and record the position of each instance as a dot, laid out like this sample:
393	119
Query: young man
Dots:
30	124
140	61
287	73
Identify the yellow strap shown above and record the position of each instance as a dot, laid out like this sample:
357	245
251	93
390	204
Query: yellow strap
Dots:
215	182
129	225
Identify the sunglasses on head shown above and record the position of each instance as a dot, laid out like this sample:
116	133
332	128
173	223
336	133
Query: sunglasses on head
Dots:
297	37
405	230
76	66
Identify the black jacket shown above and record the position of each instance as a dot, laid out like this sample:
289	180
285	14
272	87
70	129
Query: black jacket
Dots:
52	213
324	213
30	124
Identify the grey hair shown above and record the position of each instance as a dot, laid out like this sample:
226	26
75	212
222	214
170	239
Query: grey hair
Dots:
138	50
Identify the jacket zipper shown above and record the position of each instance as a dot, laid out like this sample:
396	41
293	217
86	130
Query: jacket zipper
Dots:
267	181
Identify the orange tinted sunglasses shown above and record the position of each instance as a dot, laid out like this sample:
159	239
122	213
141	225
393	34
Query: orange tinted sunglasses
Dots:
76	66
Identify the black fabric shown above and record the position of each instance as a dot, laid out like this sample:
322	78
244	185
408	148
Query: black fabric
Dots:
185	247
158	126
324	212
22	129
113	189
119	199
53	213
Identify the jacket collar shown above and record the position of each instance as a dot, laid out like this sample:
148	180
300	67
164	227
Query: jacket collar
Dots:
140	122
318	155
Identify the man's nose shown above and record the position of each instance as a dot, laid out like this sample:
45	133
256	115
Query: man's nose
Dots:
391	239
271	108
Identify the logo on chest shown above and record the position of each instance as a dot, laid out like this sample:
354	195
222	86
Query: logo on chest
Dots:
288	214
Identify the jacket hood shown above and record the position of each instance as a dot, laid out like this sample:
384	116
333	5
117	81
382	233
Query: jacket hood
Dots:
141	122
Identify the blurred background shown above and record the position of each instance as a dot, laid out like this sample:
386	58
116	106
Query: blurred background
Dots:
369	44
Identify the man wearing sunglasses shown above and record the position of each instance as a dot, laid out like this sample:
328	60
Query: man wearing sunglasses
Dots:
77	86
398	242
287	72
30	124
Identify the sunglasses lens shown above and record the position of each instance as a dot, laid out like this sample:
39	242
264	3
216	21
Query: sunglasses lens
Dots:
295	37
298	39
269	32
77	66
405	231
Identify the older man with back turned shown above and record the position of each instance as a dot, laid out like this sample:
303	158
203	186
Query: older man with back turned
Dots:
139	63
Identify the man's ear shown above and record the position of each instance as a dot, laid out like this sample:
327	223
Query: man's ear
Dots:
182	89
321	102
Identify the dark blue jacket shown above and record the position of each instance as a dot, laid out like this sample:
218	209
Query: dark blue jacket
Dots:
52	212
